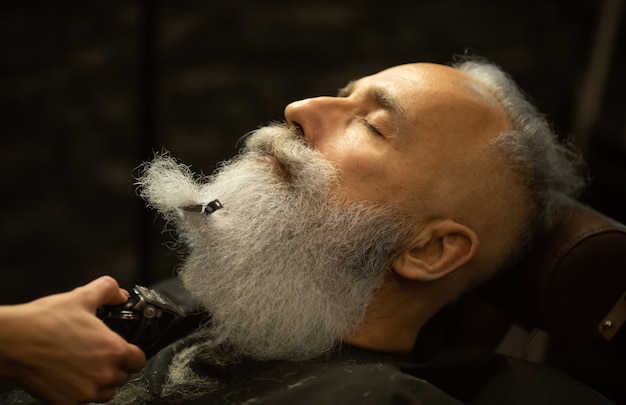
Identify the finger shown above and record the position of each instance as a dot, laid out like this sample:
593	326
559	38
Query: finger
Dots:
134	360
101	291
105	395
121	378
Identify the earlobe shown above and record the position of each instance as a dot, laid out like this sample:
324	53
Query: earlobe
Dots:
440	249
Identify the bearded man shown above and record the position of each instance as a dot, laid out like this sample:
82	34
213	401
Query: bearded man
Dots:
347	228
366	213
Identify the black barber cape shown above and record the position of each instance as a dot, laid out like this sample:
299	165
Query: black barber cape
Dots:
346	376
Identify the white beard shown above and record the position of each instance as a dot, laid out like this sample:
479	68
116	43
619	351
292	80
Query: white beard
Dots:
285	269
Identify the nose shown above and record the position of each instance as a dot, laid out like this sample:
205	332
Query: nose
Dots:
317	117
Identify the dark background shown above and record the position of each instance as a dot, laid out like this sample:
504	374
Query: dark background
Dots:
89	89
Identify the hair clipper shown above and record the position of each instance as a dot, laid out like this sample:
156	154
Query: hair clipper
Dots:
143	318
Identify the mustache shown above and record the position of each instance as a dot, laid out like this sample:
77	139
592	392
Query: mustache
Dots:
283	142
281	131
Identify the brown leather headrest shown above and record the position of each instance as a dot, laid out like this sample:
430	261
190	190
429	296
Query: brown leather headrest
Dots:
574	280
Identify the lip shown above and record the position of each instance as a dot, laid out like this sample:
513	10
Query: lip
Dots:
276	164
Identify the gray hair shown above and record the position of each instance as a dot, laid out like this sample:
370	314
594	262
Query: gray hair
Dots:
551	171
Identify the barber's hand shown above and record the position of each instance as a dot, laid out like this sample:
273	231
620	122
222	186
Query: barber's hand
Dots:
60	352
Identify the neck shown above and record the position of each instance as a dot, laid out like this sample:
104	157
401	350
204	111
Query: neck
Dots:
397	313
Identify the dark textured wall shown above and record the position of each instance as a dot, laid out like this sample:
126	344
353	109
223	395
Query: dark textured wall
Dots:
90	88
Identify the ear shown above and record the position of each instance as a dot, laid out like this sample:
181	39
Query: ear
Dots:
440	249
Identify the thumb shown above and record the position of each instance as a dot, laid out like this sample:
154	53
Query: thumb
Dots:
101	291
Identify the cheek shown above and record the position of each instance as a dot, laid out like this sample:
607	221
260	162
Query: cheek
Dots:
365	173
354	155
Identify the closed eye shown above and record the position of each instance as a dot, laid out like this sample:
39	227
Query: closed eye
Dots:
370	127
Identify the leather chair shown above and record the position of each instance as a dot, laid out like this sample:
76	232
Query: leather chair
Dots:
574	282
572	289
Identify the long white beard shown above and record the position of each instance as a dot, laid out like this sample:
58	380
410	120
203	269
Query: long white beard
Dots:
284	269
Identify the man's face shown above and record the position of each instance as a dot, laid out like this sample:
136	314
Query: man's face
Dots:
410	135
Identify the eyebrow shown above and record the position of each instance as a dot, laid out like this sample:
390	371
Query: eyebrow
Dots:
379	95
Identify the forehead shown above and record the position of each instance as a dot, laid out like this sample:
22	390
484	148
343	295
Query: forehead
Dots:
438	90
423	84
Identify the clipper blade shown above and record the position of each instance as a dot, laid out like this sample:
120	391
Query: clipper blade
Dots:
205	209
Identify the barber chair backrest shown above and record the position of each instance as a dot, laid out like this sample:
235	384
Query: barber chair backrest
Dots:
573	283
